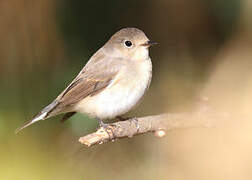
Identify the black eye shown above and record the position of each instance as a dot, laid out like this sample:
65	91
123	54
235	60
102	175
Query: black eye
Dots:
128	43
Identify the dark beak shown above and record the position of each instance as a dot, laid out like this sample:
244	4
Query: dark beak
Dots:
149	43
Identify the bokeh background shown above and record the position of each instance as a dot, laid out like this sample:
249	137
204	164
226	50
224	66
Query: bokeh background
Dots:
205	49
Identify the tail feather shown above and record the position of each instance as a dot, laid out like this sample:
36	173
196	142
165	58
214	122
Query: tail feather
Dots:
44	114
37	118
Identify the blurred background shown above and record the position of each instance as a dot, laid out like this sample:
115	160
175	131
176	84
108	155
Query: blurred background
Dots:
205	49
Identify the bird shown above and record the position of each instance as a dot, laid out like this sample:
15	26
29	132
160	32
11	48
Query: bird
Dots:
111	83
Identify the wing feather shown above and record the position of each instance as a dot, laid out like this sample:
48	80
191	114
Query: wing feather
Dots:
92	79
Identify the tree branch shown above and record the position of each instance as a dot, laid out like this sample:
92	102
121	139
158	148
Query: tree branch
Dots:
158	123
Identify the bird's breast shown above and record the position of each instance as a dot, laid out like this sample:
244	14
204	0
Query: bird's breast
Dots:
124	92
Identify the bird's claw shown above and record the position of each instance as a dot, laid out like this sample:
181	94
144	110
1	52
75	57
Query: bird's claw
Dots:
108	128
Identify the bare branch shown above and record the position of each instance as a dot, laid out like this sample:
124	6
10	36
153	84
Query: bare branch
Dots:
157	124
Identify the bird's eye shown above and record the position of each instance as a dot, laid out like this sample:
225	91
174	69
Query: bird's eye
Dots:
128	43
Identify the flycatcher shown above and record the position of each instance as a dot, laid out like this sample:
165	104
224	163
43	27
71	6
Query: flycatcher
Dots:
112	82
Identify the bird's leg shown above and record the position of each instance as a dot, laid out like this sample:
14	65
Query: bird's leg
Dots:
102	124
106	127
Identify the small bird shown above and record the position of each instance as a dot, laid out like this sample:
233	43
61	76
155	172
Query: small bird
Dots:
112	82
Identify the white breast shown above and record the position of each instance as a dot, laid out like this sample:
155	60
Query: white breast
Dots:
121	95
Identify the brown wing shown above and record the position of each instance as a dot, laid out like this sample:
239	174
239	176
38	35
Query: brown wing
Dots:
71	96
94	77
82	88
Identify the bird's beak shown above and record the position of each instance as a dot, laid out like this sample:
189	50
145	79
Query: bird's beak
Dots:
149	43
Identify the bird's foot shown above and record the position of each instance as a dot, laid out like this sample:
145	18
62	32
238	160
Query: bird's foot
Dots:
108	128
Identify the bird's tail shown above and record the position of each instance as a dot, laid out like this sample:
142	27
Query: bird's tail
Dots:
44	114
